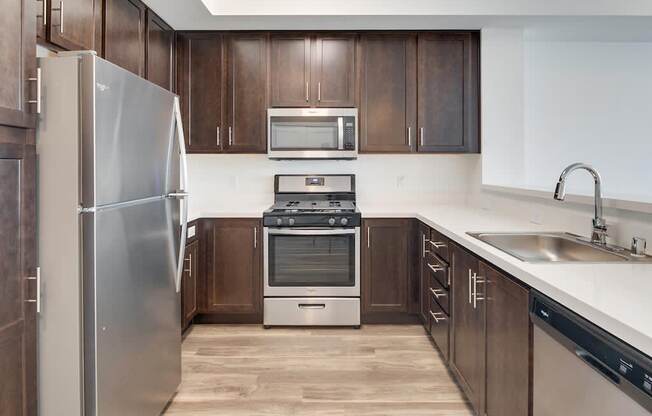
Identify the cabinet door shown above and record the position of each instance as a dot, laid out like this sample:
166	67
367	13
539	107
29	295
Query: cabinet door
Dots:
424	276
385	272
468	343
159	42
246	93
332	67
234	278
290	70
71	23
448	92
508	345
200	86
17	63
17	251
388	93
124	34
189	286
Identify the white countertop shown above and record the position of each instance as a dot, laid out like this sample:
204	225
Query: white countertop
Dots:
615	297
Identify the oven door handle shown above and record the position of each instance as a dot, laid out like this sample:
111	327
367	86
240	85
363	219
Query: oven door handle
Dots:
311	231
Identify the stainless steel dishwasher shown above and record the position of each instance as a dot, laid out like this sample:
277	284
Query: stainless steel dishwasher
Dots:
581	370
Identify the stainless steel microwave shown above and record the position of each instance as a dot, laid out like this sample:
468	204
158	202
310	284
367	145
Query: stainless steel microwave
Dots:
312	133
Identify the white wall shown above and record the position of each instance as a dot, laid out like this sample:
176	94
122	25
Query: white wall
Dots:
231	182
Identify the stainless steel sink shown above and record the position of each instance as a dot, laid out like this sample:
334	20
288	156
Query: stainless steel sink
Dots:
555	247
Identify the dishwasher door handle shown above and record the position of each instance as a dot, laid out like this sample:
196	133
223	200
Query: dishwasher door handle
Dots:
589	359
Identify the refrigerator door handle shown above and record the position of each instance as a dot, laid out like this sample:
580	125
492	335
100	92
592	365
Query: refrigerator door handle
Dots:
183	195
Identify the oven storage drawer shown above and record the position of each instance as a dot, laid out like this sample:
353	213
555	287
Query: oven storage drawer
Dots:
439	269
312	311
440	294
439	322
438	244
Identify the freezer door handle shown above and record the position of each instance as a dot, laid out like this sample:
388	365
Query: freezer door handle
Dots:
178	195
181	194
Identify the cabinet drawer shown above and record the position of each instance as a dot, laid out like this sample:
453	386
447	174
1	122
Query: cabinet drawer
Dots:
439	269
439	321
440	294
438	245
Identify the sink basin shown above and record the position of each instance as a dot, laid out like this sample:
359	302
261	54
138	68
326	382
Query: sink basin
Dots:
551	247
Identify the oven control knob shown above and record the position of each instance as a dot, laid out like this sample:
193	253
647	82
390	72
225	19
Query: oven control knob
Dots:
331	221
290	221
279	221
344	221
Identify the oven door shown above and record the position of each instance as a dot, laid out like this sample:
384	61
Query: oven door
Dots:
312	262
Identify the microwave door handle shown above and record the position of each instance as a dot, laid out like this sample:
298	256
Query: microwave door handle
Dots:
340	133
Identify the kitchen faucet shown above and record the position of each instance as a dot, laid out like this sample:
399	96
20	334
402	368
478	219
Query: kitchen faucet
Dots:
599	234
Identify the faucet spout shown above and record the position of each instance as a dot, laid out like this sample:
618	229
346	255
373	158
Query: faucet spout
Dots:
599	234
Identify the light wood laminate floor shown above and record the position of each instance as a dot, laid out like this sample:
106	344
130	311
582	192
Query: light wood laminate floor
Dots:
377	370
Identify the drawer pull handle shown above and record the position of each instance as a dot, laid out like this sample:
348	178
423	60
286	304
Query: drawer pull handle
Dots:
439	293
312	306
438	244
438	316
436	268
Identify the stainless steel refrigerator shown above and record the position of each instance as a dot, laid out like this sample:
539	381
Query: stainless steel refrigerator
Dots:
111	226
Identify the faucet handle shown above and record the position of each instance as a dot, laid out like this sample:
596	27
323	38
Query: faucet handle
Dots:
638	246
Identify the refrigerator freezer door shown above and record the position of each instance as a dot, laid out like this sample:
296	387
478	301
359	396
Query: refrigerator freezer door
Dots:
132	324
127	143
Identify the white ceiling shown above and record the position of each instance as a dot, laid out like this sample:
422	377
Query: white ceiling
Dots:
605	20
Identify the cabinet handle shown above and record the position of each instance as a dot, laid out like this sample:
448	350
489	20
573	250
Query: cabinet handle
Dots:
255	237
319	91
60	10
421	138
435	268
38	290
435	314
218	136
307	91
230	136
409	133
470	288
38	90
45	12
439	293
438	244
475	290
424	240
189	260
368	237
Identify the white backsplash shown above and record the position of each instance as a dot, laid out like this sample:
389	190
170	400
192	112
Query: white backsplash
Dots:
230	182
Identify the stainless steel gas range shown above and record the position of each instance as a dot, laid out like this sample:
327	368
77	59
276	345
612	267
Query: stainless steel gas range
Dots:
312	252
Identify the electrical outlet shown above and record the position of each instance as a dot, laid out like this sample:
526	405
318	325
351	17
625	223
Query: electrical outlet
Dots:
399	181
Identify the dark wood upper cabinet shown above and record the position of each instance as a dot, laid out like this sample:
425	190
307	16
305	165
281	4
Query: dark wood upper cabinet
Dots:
388	93
189	284
233	267
385	266
18	253
159	44
290	70
448	92
69	24
508	345
332	70
200	84
246	93
468	330
124	34
17	63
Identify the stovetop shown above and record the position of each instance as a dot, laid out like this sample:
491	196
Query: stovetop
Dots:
298	206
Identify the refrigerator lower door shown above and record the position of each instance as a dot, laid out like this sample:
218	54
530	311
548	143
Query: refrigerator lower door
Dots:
132	341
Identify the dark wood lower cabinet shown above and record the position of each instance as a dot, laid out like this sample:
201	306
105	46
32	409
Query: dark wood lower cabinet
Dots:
232	287
508	345
468	327
17	267
386	248
189	284
424	276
